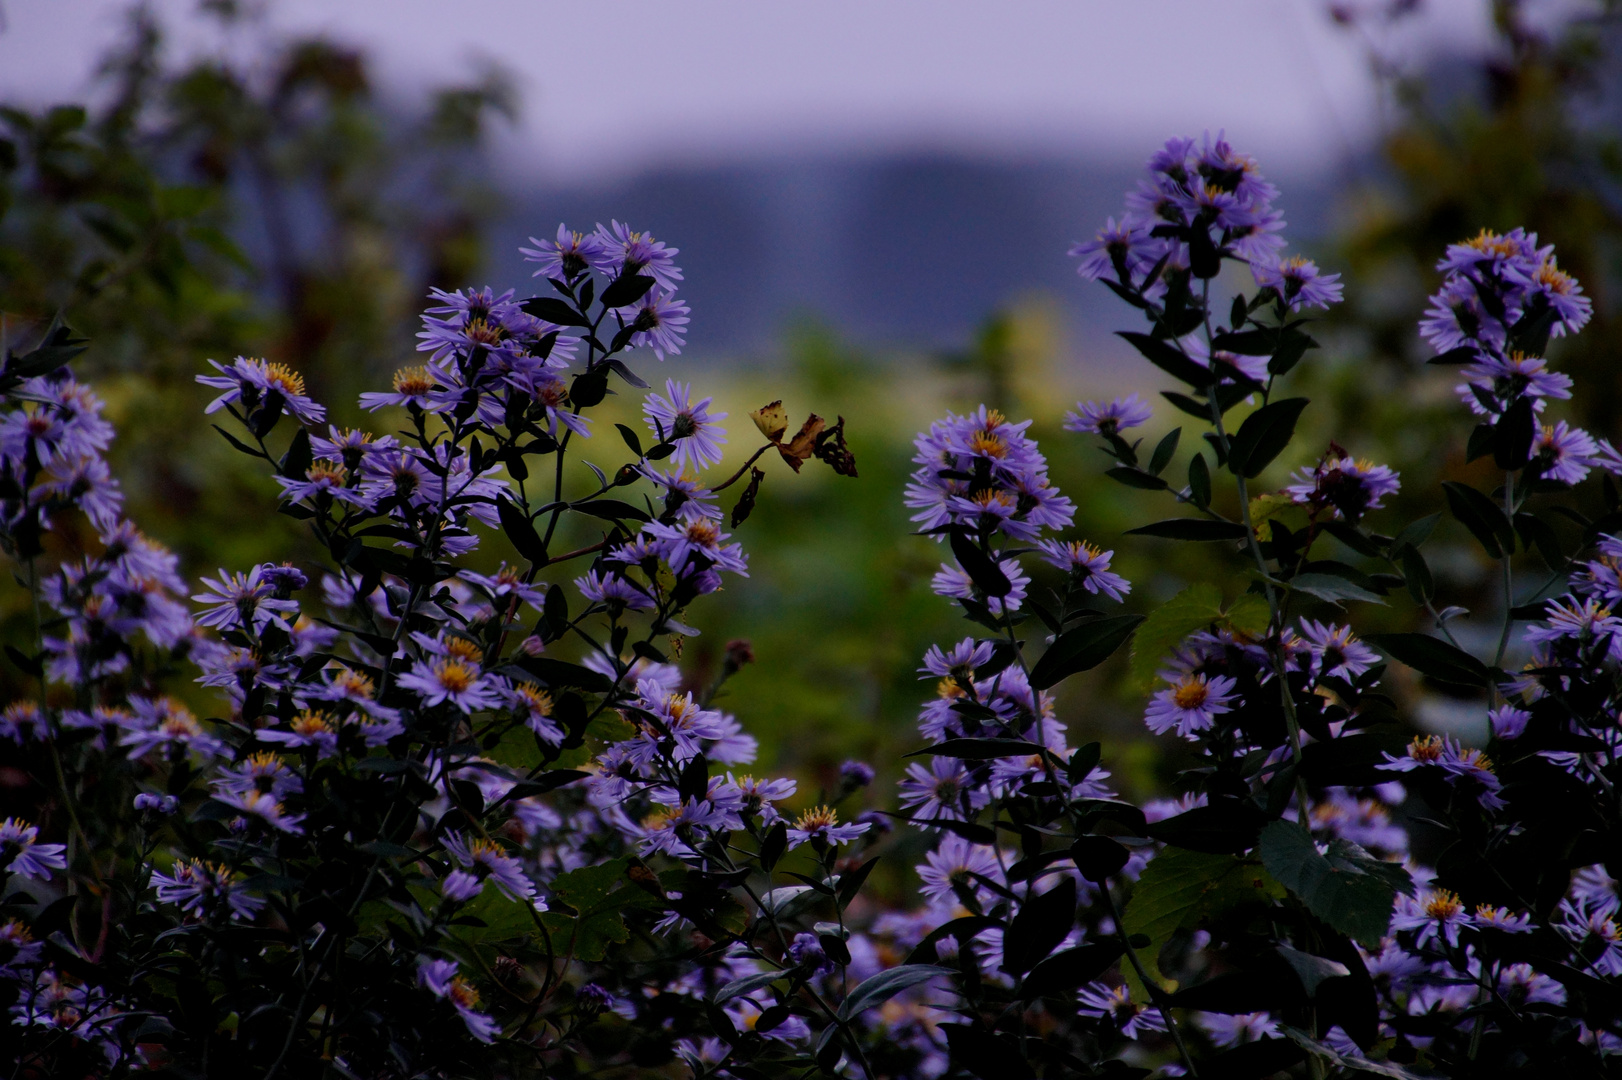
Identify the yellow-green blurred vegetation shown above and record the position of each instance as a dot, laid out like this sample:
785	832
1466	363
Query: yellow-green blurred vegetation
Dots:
288	211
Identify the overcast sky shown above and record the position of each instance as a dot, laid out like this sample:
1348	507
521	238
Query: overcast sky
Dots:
612	87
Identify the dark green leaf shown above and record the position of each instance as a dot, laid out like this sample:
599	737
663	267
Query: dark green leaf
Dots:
589	387
1168	358
610	509
631	439
1438	659
981	568
1199	481
1332	589
554	311
521	532
1263	436
1082	648
1163	451
1070	969
624	291
1043	922
1227	826
1197	409
1512	435
983	749
886	985
1135	478
296	462
1203	529
1343	891
1482	516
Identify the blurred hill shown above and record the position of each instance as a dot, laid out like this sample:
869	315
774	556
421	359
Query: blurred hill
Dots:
913	250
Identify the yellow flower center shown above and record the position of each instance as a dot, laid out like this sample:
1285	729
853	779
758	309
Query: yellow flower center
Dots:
324	469
413	380
282	378
311	722
817	817
454	675
1426	749
1443	905
463	649
984	442
535	699
1190	694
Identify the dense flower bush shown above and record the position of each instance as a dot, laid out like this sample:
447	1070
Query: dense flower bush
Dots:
418	839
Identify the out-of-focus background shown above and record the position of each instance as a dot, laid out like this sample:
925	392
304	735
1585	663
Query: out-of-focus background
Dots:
873	204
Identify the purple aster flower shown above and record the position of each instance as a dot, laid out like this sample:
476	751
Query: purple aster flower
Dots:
954	581
1571	619
965	656
456	679
1115	1004
157	804
1190	706
535	706
614	592
855	775
1521	985
1456	317
263	807
22	721
690	425
201	889
1488	917
483	861
1559	290
310	728
820	827
1239	1028
1563	453
659	323
628	252
1127	248
324	477
413	386
757	796
952	864
86	482
254	384
806	952
261	772
1335	651
505	587
569	256
243	602
439	977
1508	722
18	949
22	854
1435	914
1111	419
681	544
1347	488
1229	367
943	789
165	724
1497	381
1087	565
1365	822
1298	281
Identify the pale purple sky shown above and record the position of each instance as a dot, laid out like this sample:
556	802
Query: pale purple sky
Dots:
610	88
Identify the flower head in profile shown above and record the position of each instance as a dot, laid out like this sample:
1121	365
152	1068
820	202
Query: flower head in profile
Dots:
483	861
820	827
255	384
1126	247
1108	419
1087	565
439	977
202	888
1115	1004
22	854
1297	281
568	256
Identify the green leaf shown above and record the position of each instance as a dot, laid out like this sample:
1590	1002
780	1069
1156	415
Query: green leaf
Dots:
521	532
1082	648
985	749
1483	517
1199	481
1168	358
626	290
1417	573
886	985
1179	888
1135	478
1418	532
1163	451
599	910
610	509
1263	436
1195	608
1347	888
982	569
1433	657
1202	529
746	984
1332	589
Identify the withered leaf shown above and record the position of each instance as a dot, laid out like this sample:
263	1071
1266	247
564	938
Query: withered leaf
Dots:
746	502
832	449
804	443
772	420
